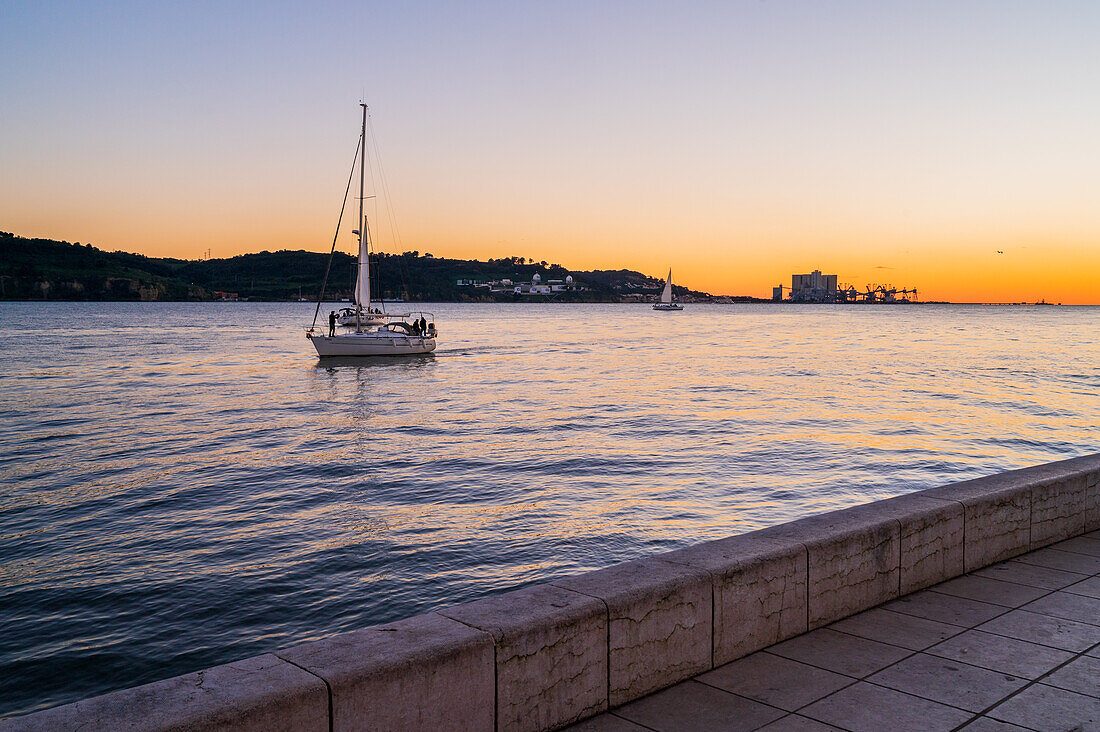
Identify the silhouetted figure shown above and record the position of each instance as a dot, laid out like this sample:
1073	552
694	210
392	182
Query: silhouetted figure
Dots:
331	323
423	325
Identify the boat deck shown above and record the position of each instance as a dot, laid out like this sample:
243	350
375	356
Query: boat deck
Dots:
1012	646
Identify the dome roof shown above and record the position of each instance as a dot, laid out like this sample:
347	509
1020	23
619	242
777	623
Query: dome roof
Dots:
536	278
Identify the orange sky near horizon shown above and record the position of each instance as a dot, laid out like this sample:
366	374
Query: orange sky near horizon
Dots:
955	271
944	147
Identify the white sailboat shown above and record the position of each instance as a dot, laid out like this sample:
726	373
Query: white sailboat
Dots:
376	333
666	302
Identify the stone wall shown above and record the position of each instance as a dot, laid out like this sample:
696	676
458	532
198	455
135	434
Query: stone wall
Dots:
545	656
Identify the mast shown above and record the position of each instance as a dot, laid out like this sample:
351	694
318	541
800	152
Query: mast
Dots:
362	285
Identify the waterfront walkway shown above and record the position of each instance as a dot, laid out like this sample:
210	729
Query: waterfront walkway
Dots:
1012	646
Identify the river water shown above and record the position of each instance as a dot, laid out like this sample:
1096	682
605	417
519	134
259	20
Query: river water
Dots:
182	484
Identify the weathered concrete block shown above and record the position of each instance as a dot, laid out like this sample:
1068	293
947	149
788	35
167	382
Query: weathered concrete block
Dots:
931	533
551	654
853	560
996	514
759	583
425	672
260	693
1059	510
1092	501
659	623
999	510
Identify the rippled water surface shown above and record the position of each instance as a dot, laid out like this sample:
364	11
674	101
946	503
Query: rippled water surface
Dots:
182	485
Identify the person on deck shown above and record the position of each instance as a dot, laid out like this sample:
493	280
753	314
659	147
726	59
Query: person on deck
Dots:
331	323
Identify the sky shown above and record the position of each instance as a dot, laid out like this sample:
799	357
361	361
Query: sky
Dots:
949	146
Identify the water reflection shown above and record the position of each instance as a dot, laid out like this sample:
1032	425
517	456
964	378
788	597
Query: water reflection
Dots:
176	502
410	362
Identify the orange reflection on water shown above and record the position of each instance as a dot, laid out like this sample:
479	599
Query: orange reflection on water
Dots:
176	478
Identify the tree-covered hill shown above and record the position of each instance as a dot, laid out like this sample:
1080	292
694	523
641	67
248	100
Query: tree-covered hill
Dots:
43	269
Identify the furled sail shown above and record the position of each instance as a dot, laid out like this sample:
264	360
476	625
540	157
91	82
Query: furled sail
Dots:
362	280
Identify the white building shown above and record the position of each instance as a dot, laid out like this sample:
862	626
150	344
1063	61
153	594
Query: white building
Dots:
535	287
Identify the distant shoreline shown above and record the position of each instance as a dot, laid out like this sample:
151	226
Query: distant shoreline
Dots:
529	301
44	270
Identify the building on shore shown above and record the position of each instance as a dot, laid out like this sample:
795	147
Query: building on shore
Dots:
535	287
823	288
813	287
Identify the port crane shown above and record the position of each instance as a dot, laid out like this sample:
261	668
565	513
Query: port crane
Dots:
846	293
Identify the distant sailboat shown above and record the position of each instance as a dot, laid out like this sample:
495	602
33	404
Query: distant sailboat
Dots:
376	333
666	302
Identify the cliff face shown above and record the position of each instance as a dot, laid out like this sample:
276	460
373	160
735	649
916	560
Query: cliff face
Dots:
96	288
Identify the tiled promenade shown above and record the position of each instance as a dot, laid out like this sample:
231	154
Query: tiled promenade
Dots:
1014	646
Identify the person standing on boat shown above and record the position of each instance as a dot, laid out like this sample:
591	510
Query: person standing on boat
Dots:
423	325
331	323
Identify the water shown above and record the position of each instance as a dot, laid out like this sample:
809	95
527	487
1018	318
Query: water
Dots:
182	485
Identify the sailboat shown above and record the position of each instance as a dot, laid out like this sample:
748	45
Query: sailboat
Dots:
666	303
376	333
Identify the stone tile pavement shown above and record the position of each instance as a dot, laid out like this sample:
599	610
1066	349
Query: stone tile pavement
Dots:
1013	646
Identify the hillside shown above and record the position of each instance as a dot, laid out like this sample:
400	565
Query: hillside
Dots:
43	269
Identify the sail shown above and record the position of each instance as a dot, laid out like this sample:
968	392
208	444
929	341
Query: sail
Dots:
362	280
666	294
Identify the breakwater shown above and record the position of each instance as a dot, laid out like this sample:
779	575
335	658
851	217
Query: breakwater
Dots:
548	655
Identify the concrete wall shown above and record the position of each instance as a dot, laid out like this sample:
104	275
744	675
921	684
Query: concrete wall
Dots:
545	656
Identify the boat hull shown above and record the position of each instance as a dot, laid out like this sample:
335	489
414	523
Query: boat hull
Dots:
668	306
371	344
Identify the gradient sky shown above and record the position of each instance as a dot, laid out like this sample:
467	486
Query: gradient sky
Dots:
738	142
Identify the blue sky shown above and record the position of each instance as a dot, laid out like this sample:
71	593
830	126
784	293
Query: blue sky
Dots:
756	138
